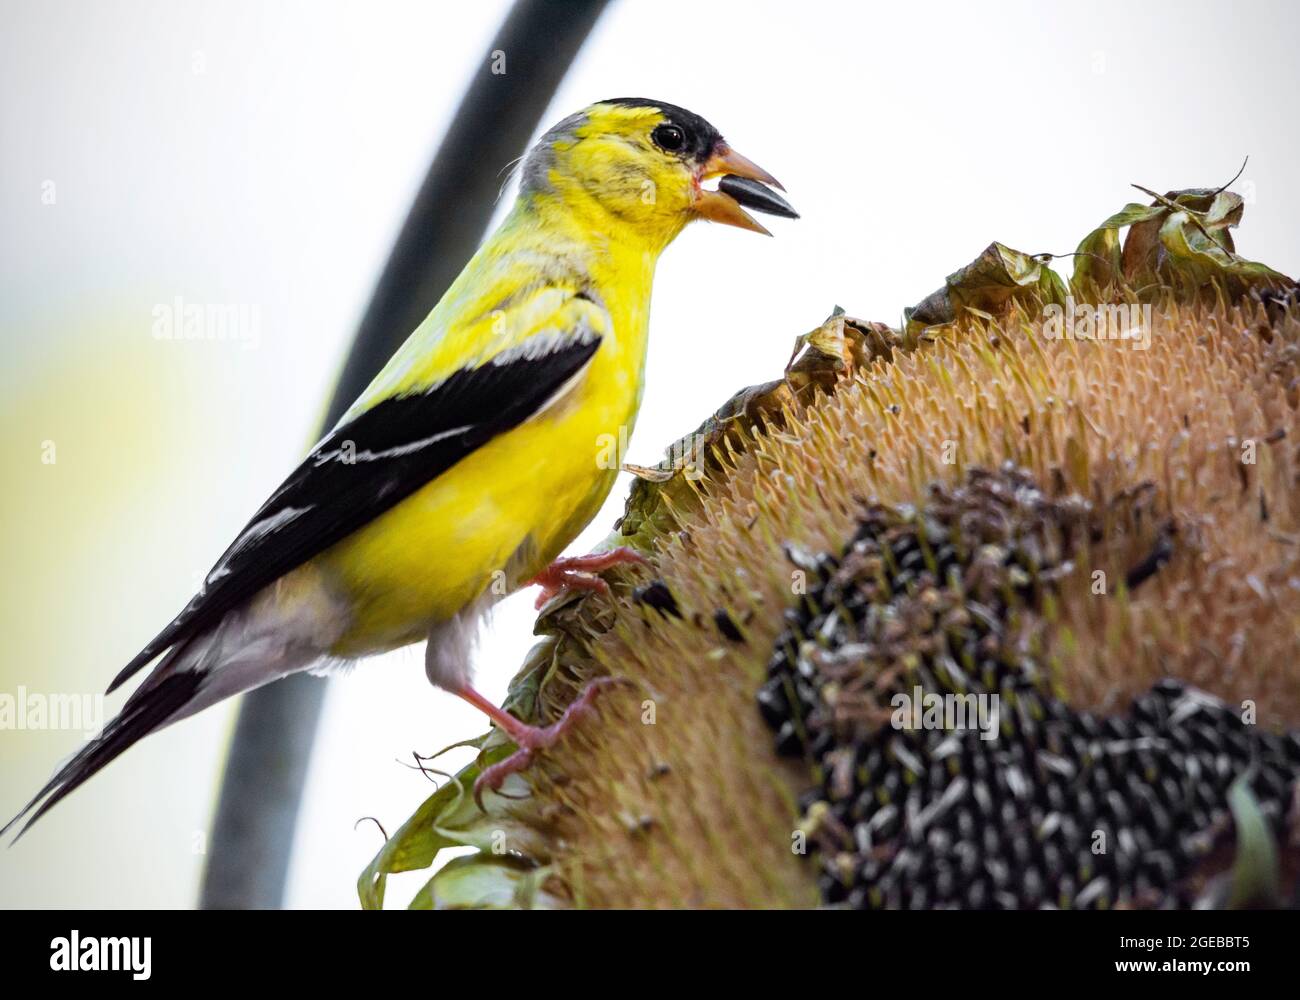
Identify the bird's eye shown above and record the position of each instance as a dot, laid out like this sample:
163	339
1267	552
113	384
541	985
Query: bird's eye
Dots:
669	137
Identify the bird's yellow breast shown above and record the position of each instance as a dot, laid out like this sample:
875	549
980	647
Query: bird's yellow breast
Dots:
501	514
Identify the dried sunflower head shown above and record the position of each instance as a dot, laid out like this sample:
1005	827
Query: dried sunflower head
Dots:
1099	535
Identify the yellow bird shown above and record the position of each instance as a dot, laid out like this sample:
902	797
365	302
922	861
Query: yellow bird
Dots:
475	456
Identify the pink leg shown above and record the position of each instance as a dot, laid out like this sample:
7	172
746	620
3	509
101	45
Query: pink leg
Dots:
529	739
579	572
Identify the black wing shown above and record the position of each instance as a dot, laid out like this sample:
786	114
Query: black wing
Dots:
368	465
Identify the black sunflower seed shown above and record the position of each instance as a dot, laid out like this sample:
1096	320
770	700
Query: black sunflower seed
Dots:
1062	807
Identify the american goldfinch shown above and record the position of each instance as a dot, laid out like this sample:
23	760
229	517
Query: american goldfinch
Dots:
474	457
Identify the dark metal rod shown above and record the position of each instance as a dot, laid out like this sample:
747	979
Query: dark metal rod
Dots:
261	789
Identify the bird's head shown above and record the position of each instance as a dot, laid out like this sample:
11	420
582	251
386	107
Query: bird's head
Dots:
643	165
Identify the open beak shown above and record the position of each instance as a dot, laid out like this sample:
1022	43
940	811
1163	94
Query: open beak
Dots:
742	183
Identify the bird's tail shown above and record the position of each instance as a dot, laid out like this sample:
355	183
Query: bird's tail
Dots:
248	648
157	702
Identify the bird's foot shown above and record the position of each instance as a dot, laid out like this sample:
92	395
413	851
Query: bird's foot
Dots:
531	739
579	572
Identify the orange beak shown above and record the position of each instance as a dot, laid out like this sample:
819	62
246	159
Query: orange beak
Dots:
725	205
726	160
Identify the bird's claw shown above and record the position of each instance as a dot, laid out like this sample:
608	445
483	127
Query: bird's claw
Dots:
530	739
578	572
